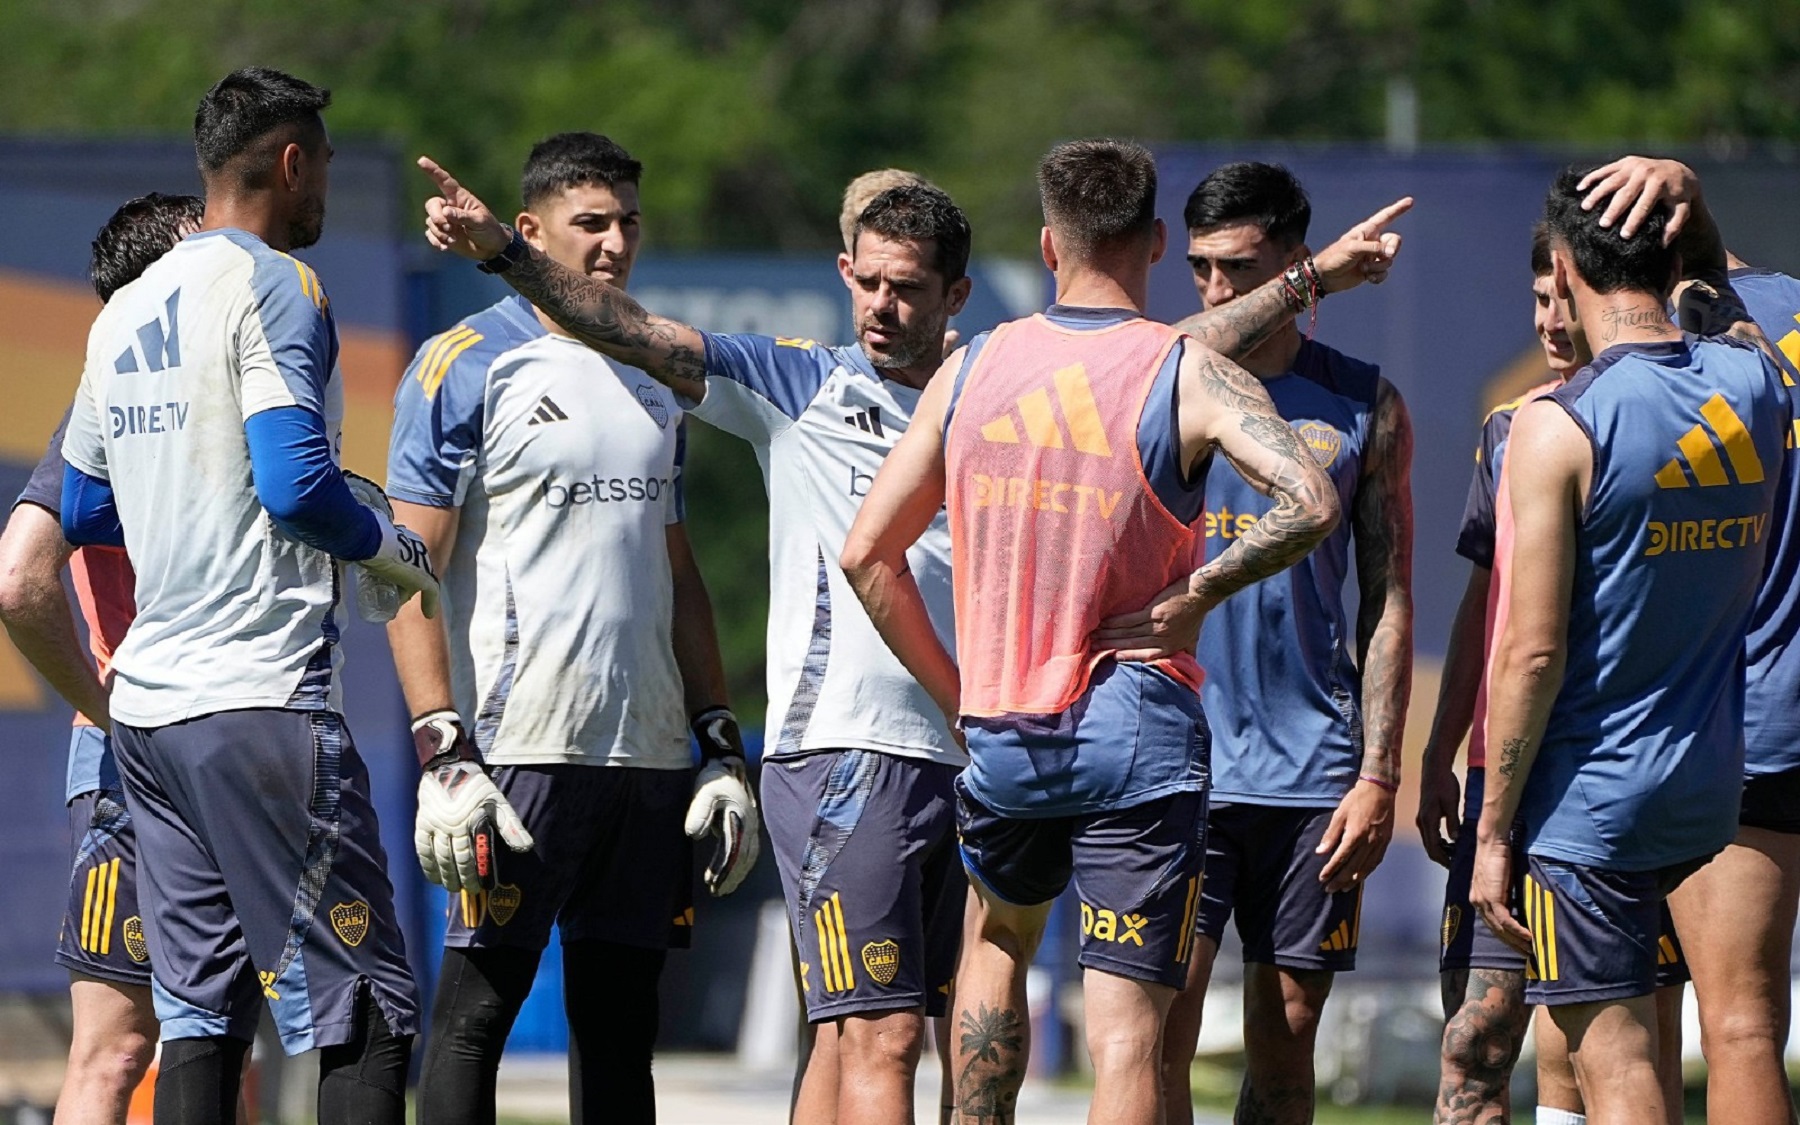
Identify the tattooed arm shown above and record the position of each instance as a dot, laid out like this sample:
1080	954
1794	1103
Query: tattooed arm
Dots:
602	316
1382	517
1361	827
1548	464
1223	408
1365	253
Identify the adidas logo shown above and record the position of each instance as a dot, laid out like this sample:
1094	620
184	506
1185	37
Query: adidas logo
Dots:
1789	346
1085	431
547	411
158	342
1340	939
1702	458
868	421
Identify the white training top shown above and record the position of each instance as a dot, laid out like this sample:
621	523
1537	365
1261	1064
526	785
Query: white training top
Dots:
231	613
558	595
822	420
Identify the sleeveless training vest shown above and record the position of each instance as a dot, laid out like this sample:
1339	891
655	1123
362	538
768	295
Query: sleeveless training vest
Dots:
1053	525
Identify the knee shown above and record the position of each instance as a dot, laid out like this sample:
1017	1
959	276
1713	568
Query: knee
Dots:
1479	1042
116	1058
888	1043
1748	1026
1122	1045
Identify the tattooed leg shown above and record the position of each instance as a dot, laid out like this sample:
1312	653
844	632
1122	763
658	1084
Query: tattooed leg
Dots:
1281	1022
1124	1036
992	1034
1481	1044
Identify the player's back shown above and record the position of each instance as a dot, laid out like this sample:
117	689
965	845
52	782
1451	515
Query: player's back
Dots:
1053	523
1642	759
231	612
1771	719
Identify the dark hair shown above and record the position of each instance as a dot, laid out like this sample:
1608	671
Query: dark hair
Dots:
1540	249
141	231
1098	194
247	106
1248	191
1608	263
568	160
921	212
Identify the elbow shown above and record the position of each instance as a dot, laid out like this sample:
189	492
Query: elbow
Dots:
1538	663
1319	517
857	558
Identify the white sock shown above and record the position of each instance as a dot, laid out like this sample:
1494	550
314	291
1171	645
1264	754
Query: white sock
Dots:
1548	1116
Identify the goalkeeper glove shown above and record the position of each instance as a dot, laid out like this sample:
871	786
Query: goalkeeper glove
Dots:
400	567
723	805
459	808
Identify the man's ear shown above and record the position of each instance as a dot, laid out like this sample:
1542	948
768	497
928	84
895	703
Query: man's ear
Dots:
1159	243
531	229
847	270
292	163
1047	248
959	295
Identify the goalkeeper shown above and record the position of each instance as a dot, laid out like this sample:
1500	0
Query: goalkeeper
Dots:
577	649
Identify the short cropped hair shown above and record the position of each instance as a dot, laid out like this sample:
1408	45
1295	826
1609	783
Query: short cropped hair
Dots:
1607	262
141	231
1540	249
567	160
245	107
1249	191
862	192
1098	194
917	212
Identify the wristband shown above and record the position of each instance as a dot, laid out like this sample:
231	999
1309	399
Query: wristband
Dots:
438	738
515	252
1378	782
716	730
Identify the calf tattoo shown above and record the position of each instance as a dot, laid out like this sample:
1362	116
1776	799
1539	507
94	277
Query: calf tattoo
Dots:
993	1045
1481	1044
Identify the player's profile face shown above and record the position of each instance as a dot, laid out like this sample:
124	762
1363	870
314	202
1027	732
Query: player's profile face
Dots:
1231	259
593	229
1561	352
308	221
900	304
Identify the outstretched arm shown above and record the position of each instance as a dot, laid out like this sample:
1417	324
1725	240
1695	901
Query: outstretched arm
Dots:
602	316
1365	253
1545	460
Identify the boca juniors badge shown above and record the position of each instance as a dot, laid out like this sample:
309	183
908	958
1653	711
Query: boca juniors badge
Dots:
1324	441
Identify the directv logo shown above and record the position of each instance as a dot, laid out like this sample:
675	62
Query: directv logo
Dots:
546	412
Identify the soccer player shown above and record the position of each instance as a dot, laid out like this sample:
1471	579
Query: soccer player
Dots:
1736	914
1305	739
1641	493
546	482
102	938
203	439
853	740
1483	978
857	760
1063	444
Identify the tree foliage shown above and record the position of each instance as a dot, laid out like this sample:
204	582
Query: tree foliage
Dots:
752	114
